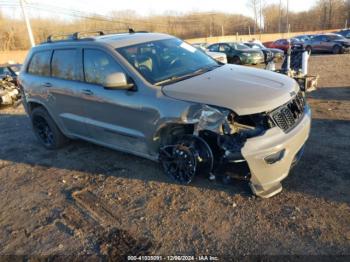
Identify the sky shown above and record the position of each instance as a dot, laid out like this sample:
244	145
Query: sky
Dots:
143	7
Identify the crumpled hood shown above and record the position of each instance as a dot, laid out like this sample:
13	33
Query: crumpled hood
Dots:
242	89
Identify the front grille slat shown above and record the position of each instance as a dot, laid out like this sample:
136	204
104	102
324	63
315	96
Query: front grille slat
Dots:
287	116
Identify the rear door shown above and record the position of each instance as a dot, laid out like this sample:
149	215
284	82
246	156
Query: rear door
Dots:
65	91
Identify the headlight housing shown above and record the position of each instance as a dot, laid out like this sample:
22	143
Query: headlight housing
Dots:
223	121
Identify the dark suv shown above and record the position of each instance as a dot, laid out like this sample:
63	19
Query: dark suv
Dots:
328	43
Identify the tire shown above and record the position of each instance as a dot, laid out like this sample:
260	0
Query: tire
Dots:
46	130
236	60
336	49
309	49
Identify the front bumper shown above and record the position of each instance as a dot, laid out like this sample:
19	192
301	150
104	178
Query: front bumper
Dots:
265	178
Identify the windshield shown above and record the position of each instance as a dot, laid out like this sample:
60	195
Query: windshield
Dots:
239	46
170	59
336	37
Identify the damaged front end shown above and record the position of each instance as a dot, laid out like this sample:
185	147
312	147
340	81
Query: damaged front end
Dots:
214	147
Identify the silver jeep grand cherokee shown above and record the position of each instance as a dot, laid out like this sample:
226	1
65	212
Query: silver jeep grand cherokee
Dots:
158	97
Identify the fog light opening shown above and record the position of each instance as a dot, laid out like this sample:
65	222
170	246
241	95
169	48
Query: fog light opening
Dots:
271	159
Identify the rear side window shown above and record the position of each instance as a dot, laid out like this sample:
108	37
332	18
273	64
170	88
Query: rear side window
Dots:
98	65
40	64
64	64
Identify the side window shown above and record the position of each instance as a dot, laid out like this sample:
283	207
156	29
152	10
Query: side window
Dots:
40	64
64	64
317	38
324	38
98	65
214	48
224	48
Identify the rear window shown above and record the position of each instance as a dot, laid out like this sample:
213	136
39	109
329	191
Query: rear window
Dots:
64	64
40	64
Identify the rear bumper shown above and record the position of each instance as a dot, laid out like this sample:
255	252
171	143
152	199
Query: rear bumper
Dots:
265	178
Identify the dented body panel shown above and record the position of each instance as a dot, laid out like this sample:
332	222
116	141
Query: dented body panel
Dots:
242	89
264	176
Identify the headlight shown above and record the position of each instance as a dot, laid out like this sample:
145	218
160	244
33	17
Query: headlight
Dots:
225	122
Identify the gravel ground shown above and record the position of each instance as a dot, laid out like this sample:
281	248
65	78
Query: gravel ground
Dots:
89	200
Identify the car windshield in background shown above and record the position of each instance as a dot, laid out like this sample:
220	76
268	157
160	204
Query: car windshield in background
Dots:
239	46
166	61
336	37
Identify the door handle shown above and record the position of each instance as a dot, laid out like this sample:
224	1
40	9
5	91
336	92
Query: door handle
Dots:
47	84
87	92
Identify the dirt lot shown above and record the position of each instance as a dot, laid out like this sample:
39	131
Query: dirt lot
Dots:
85	199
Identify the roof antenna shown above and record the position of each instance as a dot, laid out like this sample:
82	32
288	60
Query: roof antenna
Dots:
131	31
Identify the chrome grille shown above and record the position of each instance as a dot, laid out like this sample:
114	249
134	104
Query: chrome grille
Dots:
287	116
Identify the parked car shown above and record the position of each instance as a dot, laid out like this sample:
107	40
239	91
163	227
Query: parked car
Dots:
11	70
238	53
269	53
283	44
158	97
330	43
220	57
344	32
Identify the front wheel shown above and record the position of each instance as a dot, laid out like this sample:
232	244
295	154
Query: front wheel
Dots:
308	49
336	50
236	60
46	130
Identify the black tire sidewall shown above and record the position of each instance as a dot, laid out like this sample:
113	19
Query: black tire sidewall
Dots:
236	60
58	137
336	49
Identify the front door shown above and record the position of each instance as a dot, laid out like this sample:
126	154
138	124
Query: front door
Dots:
113	116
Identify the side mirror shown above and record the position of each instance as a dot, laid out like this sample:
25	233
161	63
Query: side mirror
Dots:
117	80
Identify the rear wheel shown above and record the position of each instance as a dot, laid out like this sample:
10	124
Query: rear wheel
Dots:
46	130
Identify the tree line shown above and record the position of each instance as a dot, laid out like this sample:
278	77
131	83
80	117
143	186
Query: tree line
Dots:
267	18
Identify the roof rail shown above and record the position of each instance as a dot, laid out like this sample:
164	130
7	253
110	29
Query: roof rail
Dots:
87	35
74	36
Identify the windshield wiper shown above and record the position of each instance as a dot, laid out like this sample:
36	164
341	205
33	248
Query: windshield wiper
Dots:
174	79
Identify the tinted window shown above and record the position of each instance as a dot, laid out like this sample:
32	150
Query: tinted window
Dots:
64	64
214	48
98	65
224	48
317	38
40	64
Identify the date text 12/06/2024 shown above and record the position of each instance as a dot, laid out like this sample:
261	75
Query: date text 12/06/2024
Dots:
173	258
